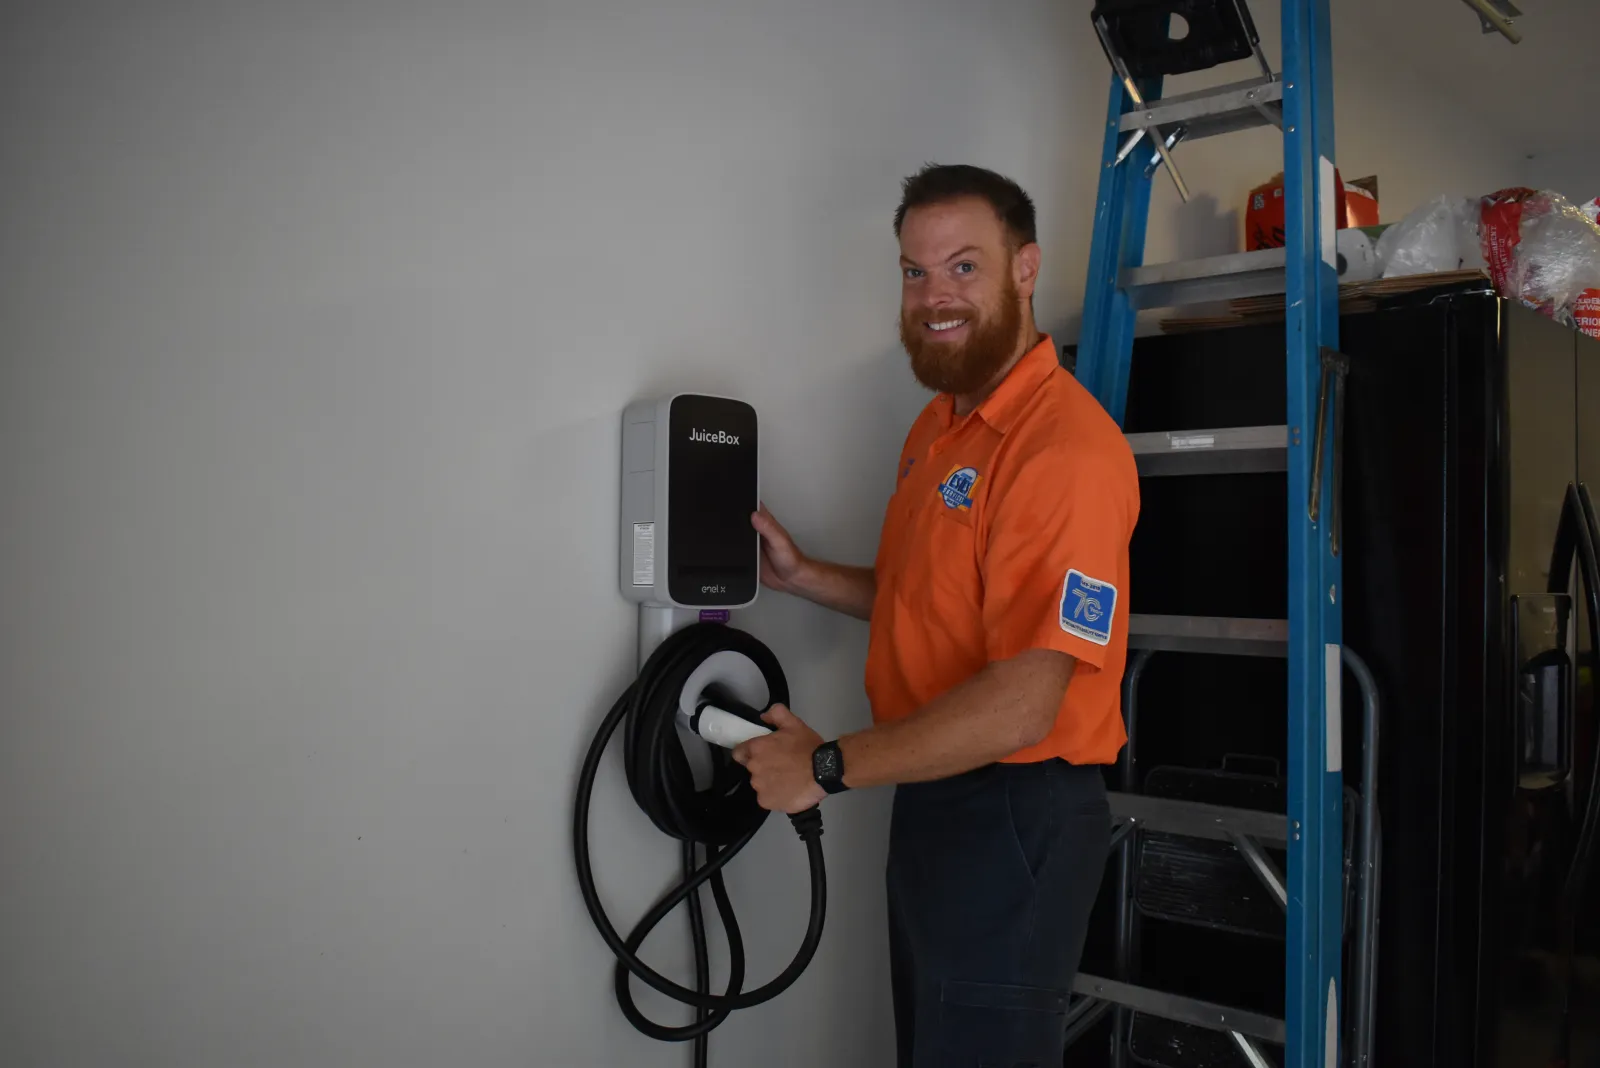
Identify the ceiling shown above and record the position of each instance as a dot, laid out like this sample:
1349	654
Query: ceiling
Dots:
1539	93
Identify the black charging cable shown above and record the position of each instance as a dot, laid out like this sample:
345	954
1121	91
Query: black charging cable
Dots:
720	820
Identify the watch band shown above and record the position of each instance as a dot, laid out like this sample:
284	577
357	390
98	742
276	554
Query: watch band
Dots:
827	767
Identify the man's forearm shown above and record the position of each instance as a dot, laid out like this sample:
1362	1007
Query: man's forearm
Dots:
1003	708
843	588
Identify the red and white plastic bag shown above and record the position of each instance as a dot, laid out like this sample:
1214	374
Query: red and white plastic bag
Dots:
1538	247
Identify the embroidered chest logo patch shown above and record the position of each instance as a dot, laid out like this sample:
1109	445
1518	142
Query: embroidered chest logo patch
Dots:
1088	607
957	487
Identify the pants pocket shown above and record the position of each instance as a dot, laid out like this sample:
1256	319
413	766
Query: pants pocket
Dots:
998	1025
1033	817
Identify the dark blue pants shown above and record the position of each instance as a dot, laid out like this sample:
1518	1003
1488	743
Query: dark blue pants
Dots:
991	877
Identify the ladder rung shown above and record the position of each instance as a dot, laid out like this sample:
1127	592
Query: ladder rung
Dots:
1230	450
1198	819
1238	274
1183	1009
1209	634
1224	109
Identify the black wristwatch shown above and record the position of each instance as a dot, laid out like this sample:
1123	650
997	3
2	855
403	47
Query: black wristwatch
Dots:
827	767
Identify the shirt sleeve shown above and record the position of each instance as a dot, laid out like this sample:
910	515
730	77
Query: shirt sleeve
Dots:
1055	560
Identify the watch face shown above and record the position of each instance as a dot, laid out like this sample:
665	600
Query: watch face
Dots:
827	765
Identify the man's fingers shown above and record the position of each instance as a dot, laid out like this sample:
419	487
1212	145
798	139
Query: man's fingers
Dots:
745	751
768	526
780	717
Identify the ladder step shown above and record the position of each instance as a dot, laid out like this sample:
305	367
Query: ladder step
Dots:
1188	879
1224	109
1238	274
1158	1043
1199	819
1182	1009
1209	634
1229	450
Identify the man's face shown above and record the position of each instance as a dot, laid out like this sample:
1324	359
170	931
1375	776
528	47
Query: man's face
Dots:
962	294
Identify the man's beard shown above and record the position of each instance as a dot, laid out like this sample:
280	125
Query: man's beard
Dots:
963	368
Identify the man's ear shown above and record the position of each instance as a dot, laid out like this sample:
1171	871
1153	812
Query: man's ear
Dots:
1025	269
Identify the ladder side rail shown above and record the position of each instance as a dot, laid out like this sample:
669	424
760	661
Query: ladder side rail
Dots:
1121	213
1315	762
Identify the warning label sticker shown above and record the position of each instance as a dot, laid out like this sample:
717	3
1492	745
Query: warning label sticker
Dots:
644	554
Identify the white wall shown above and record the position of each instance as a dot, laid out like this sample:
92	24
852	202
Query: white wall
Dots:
1573	171
316	324
1388	122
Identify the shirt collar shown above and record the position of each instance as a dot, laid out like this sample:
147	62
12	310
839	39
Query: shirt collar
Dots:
1002	406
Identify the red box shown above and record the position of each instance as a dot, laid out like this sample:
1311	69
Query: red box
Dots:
1356	204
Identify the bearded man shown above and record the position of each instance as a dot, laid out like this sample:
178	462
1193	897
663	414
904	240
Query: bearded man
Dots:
998	609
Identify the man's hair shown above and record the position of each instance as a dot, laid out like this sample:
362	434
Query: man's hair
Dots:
941	183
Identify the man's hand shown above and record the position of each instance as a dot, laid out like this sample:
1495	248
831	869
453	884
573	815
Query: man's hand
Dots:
788	570
780	763
782	562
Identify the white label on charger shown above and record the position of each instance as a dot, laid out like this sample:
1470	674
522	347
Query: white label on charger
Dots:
644	554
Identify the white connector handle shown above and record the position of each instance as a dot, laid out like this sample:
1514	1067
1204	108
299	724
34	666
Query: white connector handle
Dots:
725	728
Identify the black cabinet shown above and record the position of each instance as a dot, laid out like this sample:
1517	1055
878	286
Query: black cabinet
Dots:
1471	423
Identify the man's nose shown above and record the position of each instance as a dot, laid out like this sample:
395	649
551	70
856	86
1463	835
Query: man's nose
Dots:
940	295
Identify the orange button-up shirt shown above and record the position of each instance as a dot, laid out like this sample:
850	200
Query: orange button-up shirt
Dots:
1009	531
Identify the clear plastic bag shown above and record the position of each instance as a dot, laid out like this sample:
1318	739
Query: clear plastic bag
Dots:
1441	235
1537	246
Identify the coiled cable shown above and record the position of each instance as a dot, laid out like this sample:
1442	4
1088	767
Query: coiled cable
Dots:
720	820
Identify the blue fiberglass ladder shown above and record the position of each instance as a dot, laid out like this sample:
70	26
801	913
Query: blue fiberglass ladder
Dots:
1141	130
